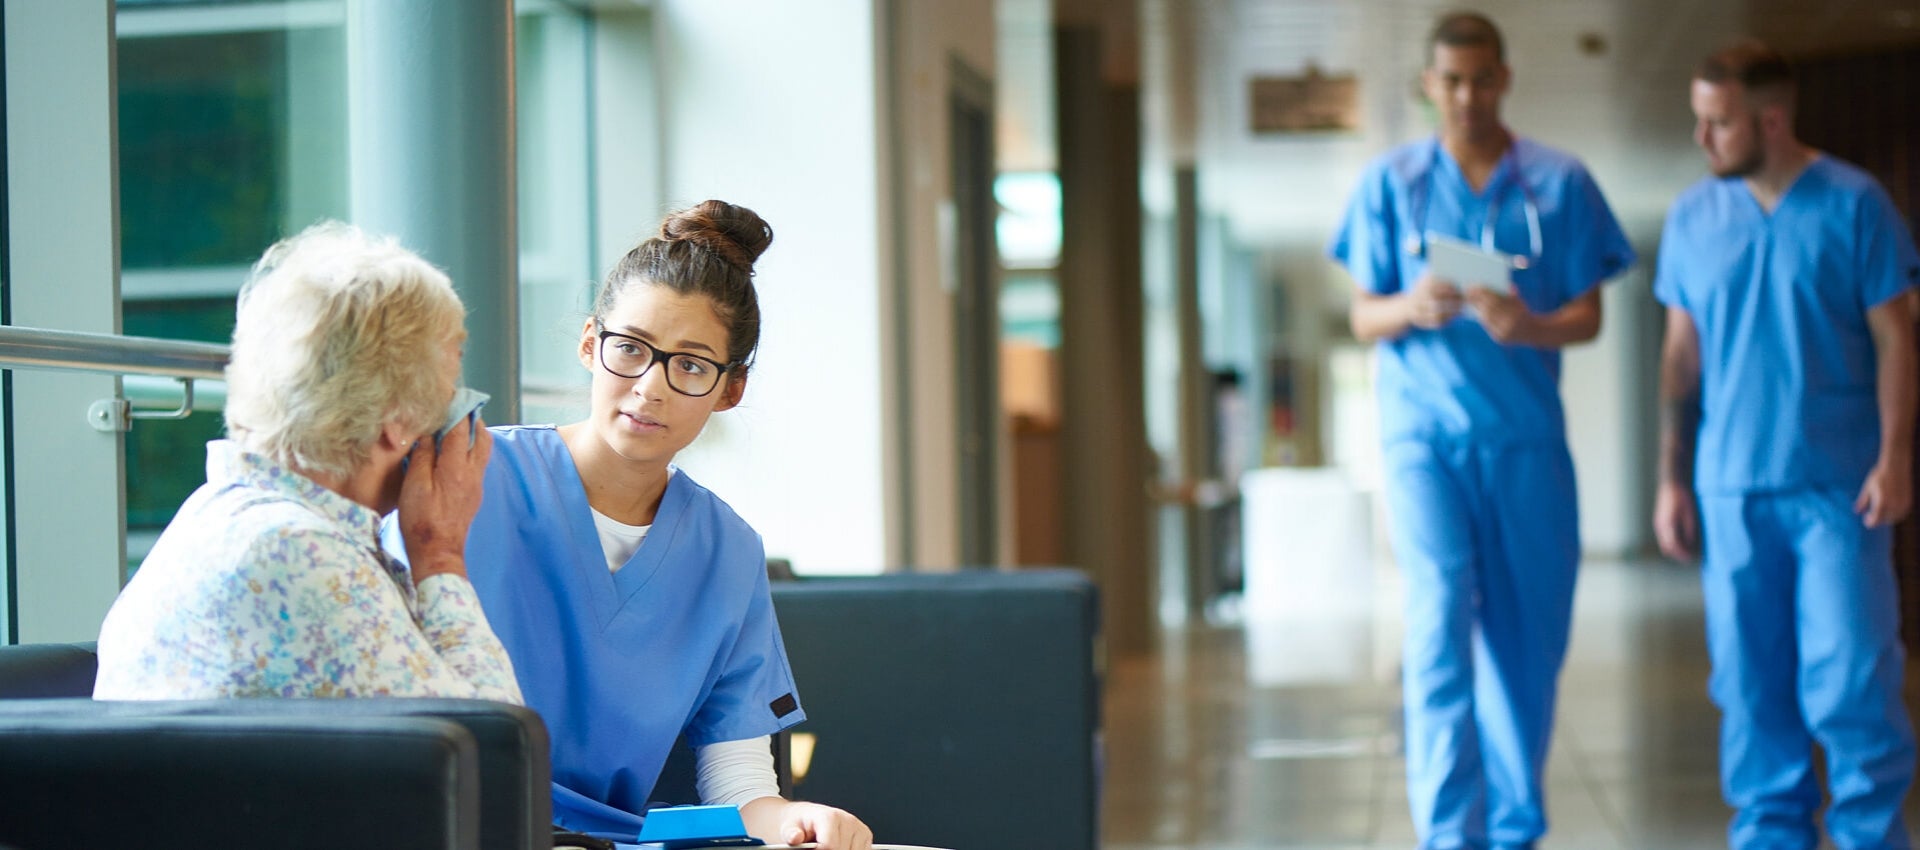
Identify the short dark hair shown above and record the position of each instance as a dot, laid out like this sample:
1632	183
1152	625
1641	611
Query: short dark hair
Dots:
1754	66
1466	29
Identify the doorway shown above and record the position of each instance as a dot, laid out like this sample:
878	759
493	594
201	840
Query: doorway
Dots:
974	265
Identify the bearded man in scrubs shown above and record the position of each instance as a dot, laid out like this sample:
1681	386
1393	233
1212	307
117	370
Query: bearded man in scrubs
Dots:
1480	485
1788	381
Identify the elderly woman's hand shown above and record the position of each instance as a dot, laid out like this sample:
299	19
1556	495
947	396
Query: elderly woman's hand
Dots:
438	498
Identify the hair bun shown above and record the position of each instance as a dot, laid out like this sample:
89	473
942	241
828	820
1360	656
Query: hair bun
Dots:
735	234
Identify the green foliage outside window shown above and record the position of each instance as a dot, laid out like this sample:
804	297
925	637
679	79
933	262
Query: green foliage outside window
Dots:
202	149
168	458
201	142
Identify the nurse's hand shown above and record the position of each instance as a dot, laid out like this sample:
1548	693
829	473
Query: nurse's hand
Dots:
438	498
1432	302
826	826
1887	495
1505	317
1676	522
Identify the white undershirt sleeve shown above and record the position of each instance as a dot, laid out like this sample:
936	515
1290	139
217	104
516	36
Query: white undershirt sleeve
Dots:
734	773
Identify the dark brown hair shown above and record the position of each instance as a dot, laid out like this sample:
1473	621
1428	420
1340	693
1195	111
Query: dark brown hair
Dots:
1466	29
1752	65
708	249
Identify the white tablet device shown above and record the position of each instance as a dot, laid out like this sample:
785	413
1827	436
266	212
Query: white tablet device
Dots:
1466	264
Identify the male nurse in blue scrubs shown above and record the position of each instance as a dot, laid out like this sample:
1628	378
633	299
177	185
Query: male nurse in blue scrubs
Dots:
1788	380
1480	485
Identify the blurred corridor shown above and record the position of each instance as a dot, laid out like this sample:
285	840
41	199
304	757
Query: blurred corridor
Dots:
1252	736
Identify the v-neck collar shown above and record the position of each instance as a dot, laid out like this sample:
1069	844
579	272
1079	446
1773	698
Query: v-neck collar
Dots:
1759	210
1502	169
612	590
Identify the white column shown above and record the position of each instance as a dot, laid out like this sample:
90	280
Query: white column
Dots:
67	481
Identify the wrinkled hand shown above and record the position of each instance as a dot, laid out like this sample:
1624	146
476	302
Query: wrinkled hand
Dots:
1887	495
1505	317
826	826
1432	302
1676	522
440	495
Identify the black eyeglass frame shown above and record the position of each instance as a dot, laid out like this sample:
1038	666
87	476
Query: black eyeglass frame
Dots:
661	356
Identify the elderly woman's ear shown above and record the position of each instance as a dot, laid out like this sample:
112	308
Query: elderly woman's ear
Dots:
395	436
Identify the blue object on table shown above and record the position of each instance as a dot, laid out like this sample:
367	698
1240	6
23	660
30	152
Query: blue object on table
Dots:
680	827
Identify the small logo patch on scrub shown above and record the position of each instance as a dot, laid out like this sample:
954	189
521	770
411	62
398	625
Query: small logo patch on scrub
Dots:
784	706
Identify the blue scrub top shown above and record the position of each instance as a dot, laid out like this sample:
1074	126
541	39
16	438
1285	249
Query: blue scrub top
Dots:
682	639
1787	361
1456	381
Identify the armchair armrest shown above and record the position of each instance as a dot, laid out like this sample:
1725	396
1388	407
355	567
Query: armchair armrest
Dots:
344	741
516	803
77	776
47	670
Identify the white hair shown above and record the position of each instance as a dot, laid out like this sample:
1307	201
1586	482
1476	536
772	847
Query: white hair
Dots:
338	334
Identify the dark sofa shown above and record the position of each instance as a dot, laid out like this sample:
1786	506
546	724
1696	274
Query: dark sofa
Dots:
951	710
401	773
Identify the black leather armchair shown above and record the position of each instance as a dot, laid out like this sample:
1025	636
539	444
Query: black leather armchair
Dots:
402	773
955	710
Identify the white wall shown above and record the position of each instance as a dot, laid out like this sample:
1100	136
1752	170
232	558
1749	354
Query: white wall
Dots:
773	107
783	110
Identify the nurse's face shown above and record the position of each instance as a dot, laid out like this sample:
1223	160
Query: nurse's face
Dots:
1466	84
645	419
1727	128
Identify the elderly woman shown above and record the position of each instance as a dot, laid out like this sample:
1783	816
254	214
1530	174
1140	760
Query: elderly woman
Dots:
270	581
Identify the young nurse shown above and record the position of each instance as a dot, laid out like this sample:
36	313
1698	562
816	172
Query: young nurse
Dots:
632	600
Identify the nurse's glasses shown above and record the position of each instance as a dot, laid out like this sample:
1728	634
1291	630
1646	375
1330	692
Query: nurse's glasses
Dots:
631	357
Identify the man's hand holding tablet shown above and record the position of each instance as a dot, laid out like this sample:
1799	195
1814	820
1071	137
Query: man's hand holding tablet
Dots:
1467	265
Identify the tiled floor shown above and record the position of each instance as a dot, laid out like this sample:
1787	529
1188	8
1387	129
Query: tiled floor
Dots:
1283	731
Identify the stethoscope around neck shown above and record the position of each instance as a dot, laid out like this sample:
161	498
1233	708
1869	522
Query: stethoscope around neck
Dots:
1422	202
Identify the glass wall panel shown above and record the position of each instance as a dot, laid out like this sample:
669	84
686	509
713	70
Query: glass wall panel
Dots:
7	559
232	134
552	77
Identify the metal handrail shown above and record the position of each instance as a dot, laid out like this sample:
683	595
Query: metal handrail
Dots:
113	354
138	358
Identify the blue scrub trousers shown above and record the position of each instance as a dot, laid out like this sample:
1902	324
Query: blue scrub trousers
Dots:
1487	536
1803	626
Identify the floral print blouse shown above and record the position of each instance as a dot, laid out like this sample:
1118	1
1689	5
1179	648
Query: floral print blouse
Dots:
267	584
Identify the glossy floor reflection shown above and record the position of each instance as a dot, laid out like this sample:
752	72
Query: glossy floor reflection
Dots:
1284	731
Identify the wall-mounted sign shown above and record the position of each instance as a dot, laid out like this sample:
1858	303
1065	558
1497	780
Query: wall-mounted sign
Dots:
1310	103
